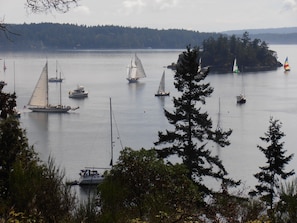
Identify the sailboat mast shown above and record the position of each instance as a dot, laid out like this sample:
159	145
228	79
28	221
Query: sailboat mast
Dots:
13	76
111	138
60	92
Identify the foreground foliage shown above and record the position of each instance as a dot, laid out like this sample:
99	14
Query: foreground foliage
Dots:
141	186
273	172
29	189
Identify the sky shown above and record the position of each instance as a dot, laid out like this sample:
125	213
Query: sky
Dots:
196	15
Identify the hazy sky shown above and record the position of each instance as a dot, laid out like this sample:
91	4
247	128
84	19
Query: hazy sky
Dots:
198	15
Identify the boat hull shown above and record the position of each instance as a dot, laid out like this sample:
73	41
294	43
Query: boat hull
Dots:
160	94
90	180
241	99
55	80
81	95
51	109
132	80
90	177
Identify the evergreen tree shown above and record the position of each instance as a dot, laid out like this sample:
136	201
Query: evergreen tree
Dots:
193	127
270	174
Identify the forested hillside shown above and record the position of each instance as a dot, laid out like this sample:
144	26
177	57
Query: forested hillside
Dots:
51	36
251	54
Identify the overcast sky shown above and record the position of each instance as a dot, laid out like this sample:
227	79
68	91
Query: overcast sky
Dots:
197	15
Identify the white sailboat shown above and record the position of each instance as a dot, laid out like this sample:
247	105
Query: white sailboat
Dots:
235	67
135	70
91	175
56	78
39	99
161	90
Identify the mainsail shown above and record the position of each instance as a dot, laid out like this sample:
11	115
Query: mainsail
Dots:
40	93
161	90
235	67
162	83
135	69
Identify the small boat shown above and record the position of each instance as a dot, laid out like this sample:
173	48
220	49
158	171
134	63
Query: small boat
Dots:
241	99
172	66
135	70
235	67
39	99
161	90
287	65
56	79
79	92
91	176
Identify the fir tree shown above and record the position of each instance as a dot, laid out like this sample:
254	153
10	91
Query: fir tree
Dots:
193	127
270	175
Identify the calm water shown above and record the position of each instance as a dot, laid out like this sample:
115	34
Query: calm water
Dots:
82	138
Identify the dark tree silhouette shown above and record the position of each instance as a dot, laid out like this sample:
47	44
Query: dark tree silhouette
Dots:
270	175
193	127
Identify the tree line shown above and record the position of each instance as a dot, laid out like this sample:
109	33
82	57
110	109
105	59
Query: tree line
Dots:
143	185
51	36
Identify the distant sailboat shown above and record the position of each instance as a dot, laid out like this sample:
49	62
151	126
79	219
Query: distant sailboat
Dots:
286	65
235	67
4	66
56	78
2	82
39	99
17	113
161	90
135	70
241	99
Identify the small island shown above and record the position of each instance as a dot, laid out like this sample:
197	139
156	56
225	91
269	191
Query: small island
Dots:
251	55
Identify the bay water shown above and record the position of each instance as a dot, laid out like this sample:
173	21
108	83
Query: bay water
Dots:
81	138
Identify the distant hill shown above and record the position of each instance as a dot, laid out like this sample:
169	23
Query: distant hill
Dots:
54	36
283	30
50	36
285	35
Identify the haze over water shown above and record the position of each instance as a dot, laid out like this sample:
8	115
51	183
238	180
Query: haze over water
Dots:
82	138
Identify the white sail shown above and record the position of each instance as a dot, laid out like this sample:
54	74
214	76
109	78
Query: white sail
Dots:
161	90
135	70
162	83
39	99
40	94
235	67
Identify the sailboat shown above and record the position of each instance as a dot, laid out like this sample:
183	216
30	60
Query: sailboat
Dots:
90	175
16	112
241	99
39	99
56	78
235	67
2	82
135	70
4	66
161	90
286	65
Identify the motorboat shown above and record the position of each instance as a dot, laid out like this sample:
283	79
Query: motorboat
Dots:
79	92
